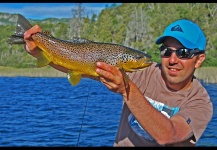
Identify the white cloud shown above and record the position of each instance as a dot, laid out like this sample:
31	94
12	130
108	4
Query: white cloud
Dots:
41	11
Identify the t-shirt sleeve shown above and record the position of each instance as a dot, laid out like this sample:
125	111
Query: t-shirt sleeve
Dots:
197	111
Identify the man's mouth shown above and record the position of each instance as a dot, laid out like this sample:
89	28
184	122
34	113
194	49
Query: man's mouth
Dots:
173	71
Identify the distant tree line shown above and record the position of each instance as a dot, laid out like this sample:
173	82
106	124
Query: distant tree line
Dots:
135	25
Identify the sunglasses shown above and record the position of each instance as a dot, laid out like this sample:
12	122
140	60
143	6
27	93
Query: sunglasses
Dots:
182	53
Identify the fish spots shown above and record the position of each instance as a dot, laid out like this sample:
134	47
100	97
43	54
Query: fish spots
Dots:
51	41
82	57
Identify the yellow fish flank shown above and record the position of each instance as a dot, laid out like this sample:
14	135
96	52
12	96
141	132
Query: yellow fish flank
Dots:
79	55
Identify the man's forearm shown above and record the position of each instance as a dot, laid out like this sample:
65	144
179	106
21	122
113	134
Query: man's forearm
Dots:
155	123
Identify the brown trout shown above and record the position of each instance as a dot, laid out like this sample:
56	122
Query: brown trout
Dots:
80	55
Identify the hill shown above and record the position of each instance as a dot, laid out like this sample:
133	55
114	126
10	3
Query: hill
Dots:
135	25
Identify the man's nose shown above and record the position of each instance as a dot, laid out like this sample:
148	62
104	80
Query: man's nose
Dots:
173	58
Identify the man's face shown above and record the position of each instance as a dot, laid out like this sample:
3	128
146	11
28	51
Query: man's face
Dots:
177	73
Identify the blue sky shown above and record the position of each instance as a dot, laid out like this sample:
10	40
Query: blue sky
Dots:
49	10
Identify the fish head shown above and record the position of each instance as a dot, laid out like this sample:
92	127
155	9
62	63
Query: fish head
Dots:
136	60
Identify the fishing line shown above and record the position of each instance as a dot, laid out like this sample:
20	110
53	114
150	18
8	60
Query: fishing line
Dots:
83	116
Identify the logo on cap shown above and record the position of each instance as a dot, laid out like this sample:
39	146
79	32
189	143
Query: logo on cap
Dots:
177	28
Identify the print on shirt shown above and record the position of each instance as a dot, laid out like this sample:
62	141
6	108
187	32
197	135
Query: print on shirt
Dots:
164	109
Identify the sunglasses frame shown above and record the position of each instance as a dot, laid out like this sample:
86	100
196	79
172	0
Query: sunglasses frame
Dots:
182	53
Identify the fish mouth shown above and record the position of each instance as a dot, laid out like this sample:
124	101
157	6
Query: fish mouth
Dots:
142	65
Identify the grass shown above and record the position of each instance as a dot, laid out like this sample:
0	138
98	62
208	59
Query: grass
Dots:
206	74
31	72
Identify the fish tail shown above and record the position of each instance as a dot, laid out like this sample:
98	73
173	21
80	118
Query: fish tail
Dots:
22	26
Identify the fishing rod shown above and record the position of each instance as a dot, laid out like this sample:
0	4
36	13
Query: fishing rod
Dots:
83	117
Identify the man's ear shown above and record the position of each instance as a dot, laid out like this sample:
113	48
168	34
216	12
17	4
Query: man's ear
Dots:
200	60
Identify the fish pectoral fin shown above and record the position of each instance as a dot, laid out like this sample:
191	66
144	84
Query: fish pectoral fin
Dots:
42	60
126	81
125	77
127	68
74	77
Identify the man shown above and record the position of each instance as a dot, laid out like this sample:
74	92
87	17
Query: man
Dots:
165	104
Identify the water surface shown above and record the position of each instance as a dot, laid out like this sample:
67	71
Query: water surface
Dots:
50	112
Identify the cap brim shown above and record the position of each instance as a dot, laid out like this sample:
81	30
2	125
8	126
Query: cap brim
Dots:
183	41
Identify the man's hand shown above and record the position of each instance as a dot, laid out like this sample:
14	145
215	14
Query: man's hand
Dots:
30	46
111	77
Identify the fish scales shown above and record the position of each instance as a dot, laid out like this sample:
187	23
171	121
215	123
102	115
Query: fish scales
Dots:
80	55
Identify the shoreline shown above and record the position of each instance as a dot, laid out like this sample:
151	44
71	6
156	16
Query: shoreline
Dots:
31	72
204	74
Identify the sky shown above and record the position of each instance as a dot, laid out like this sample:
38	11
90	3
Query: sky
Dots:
49	10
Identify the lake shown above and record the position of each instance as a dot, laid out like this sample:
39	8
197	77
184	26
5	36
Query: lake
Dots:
50	112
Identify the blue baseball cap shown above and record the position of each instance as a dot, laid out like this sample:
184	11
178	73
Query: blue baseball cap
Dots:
186	32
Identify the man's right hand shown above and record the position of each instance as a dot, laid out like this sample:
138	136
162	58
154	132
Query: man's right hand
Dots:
30	46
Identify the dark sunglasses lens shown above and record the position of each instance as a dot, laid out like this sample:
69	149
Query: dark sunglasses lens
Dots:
180	53
183	53
165	51
168	52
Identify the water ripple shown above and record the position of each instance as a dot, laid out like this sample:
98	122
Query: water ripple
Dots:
49	112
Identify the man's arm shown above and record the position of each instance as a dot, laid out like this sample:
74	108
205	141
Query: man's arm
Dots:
162	129
33	50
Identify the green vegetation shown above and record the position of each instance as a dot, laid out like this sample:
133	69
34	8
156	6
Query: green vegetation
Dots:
206	74
134	25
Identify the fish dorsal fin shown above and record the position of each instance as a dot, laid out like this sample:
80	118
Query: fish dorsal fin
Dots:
74	77
42	60
47	33
80	40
